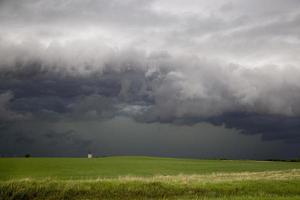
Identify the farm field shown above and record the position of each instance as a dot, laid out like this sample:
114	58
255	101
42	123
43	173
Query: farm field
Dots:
147	178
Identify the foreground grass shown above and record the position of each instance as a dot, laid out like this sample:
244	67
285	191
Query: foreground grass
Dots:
263	185
146	178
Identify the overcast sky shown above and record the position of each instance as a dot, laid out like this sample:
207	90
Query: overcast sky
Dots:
181	78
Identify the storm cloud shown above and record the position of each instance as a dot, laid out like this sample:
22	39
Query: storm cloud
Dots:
232	64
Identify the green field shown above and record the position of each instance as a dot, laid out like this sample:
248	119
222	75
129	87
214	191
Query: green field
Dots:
147	178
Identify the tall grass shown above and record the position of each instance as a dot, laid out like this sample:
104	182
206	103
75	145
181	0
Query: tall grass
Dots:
23	190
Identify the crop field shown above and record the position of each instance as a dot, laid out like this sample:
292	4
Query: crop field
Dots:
147	178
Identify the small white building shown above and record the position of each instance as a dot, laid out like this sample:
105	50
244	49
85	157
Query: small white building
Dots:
90	155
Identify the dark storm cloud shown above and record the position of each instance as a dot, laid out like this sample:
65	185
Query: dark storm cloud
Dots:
68	136
152	61
42	140
200	140
167	95
50	94
270	127
6	114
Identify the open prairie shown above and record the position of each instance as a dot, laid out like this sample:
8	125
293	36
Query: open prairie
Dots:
147	178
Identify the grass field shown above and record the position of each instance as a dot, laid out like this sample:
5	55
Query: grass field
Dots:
147	178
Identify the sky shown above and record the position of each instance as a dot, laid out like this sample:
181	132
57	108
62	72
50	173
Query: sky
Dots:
175	78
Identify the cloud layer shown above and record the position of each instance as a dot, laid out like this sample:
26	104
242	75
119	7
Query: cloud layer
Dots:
224	62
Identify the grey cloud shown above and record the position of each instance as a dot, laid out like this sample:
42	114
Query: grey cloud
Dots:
250	32
207	89
71	12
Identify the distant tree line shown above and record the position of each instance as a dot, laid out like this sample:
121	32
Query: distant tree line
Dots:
285	160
